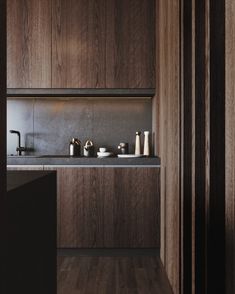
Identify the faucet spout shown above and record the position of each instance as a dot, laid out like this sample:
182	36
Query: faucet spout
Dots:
19	149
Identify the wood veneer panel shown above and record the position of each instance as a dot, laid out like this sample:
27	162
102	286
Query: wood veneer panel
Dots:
130	45
230	146
216	212
168	81
108	207
201	137
28	44
188	131
78	37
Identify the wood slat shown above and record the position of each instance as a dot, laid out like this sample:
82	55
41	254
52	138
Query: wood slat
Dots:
168	95
230	147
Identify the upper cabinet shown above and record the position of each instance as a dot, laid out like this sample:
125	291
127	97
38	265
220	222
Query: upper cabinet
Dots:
130	44
95	44
78	38
28	44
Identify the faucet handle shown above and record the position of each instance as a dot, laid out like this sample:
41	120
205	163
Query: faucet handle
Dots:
21	149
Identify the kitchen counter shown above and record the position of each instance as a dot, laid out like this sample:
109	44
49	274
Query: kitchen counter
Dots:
82	161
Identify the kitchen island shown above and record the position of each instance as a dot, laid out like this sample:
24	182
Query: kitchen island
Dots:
31	232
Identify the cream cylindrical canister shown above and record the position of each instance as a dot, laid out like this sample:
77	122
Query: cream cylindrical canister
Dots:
137	143
146	143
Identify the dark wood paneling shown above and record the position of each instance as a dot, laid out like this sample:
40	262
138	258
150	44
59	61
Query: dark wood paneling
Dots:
216	225
28	44
130	44
204	209
81	44
78	37
230	147
168	96
201	96
112	274
187	144
108	207
3	142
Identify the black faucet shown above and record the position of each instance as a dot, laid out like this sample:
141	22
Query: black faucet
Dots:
19	149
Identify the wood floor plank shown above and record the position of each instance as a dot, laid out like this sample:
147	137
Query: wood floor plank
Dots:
116	275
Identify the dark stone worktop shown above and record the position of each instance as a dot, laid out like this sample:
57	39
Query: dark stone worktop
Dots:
82	161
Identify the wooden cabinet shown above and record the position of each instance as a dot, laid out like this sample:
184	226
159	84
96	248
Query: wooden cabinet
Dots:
28	44
78	52
81	44
130	46
108	207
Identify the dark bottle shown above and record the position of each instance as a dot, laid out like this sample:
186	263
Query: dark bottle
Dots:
75	147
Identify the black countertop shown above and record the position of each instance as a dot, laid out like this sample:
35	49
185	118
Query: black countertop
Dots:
16	179
82	161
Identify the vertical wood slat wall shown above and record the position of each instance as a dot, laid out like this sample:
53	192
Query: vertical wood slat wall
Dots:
166	106
230	145
203	184
3	135
195	112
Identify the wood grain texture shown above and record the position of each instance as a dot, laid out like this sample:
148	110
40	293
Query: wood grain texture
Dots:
107	275
203	146
230	147
168	87
108	207
130	45
3	245
28	44
78	37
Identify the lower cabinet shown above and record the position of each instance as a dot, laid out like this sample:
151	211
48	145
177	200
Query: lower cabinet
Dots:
108	207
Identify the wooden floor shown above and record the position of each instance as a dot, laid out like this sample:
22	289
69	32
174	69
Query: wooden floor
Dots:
111	275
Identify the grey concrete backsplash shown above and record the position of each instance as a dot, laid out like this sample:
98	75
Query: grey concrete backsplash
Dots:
47	125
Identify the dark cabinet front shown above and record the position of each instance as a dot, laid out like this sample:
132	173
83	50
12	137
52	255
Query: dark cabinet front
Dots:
81	44
108	207
28	44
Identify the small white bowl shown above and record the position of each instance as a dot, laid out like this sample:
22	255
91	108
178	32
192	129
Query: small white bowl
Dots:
102	149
